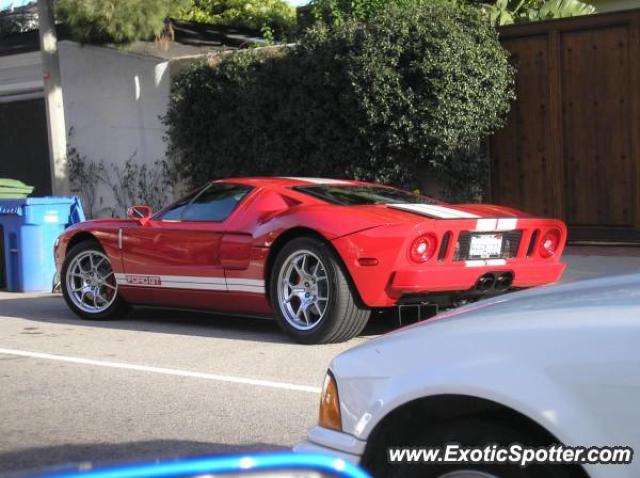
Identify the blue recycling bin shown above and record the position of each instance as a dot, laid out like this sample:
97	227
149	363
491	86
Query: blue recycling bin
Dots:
28	230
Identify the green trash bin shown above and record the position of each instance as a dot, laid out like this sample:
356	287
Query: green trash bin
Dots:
14	189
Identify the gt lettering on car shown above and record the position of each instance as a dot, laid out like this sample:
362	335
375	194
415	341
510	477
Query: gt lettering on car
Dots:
143	280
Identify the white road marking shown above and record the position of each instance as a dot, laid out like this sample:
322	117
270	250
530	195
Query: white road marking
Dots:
164	371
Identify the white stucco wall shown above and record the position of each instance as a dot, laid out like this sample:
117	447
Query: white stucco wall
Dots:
112	102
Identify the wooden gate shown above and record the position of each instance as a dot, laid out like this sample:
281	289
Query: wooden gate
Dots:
571	147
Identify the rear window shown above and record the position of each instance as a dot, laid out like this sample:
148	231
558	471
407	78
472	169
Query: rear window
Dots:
363	195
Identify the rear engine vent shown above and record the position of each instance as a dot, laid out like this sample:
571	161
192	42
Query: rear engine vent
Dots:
532	243
444	247
462	246
510	244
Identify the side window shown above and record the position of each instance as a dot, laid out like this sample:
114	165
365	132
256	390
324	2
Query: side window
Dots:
174	212
216	203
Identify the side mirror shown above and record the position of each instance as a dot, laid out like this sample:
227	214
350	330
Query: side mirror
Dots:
139	213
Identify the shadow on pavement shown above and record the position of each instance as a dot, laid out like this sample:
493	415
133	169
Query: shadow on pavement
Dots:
31	460
52	309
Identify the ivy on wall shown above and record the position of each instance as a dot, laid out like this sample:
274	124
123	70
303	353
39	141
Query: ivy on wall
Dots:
130	184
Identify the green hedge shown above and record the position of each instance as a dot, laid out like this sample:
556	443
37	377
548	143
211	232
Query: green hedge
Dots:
117	21
417	87
274	16
335	12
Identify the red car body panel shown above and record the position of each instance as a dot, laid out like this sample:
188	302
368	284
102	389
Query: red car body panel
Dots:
222	266
395	275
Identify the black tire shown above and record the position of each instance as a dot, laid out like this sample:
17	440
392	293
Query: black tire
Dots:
343	318
118	307
476	431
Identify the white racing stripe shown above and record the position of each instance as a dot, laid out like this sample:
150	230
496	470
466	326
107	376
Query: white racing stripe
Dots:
485	225
507	224
501	224
246	288
190	285
163	371
249	282
433	210
191	282
496	224
319	180
245	285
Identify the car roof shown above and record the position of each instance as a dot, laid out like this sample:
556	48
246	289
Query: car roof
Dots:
285	181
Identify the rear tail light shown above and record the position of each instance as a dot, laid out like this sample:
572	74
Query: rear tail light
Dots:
549	243
423	248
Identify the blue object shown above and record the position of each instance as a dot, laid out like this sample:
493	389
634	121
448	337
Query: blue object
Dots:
240	465
29	229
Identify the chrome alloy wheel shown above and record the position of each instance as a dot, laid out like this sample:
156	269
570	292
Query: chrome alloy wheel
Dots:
303	290
90	282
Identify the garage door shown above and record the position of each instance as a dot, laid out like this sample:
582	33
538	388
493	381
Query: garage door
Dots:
24	147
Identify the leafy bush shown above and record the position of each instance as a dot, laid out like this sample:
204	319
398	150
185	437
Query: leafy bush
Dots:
117	21
336	12
419	87
268	16
505	12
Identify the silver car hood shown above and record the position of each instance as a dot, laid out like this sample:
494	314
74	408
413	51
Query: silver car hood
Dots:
610	291
540	307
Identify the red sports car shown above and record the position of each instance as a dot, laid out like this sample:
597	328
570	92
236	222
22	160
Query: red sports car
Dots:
319	254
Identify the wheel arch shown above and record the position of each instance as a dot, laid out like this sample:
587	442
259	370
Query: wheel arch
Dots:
439	408
295	233
79	237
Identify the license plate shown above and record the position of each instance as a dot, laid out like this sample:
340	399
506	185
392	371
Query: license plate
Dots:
485	246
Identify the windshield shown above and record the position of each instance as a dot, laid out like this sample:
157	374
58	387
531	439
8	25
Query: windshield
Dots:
363	195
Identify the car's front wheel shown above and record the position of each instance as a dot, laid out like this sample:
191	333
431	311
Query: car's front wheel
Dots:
311	296
88	283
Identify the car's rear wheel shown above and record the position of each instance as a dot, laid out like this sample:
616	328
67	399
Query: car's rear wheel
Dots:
476	432
311	296
88	283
